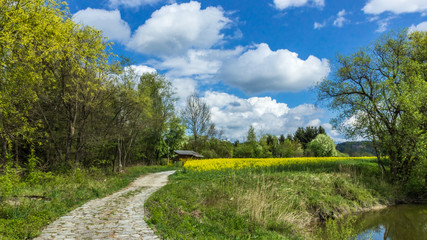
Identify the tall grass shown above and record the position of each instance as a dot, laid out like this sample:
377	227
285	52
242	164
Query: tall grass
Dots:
274	202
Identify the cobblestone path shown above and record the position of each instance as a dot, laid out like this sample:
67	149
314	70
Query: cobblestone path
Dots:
118	216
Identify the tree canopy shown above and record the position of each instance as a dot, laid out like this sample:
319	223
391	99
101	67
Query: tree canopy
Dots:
380	93
67	102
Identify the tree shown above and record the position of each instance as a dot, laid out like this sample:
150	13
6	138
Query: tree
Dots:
252	143
322	146
381	94
306	135
212	132
30	33
53	73
160	93
175	134
197	116
251	135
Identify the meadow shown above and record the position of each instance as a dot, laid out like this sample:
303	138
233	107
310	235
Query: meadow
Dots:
265	198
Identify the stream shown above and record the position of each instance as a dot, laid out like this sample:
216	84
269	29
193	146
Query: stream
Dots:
401	222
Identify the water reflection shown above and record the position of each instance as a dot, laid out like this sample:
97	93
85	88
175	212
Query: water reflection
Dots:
404	222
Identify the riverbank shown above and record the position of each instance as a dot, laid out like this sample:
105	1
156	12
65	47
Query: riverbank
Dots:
266	203
31	205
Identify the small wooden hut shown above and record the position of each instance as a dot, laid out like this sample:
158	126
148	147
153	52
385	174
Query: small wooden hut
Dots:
184	155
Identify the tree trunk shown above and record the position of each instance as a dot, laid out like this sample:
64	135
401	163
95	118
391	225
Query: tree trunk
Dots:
378	154
78	149
4	150
17	151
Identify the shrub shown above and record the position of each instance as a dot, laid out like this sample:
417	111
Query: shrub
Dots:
322	146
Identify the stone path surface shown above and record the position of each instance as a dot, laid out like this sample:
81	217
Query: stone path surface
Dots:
118	216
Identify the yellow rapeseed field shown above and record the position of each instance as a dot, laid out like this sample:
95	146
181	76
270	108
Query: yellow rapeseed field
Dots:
241	163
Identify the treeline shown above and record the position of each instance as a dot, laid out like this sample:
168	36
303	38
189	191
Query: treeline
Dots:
309	141
66	101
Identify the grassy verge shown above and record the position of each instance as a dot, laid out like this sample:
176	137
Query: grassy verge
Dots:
30	206
265	203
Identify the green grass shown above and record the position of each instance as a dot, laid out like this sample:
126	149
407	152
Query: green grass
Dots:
271	203
23	218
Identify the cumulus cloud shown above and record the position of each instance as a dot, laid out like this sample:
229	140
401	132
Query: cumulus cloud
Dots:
420	27
283	4
203	63
138	71
176	28
263	70
109	22
314	123
395	6
340	20
141	69
132	3
235	115
184	87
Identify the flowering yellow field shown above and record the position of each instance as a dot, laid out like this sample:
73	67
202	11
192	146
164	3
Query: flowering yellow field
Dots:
241	163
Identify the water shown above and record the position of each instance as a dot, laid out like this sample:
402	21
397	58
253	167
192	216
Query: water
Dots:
402	222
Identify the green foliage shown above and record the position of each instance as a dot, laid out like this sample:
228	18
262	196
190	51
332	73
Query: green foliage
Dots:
9	181
322	146
67	102
251	138
342	229
306	135
383	91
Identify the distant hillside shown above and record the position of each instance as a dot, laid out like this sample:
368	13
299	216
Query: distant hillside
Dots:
357	149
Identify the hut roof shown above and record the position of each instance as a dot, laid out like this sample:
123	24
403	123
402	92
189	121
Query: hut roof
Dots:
188	153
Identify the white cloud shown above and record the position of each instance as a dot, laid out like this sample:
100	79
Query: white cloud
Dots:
395	6
132	3
138	71
319	25
184	87
420	27
142	69
340	20
314	123
283	4
235	115
263	70
176	28
333	133
109	22
383	24
203	63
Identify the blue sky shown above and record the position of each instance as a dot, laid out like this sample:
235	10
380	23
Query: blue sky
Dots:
254	62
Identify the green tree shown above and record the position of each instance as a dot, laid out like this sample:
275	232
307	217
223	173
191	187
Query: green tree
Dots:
381	94
252	143
160	93
175	135
251	138
53	72
306	135
322	146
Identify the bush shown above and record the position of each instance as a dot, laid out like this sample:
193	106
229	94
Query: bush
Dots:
322	146
8	181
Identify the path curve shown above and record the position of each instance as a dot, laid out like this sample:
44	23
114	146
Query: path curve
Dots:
117	216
